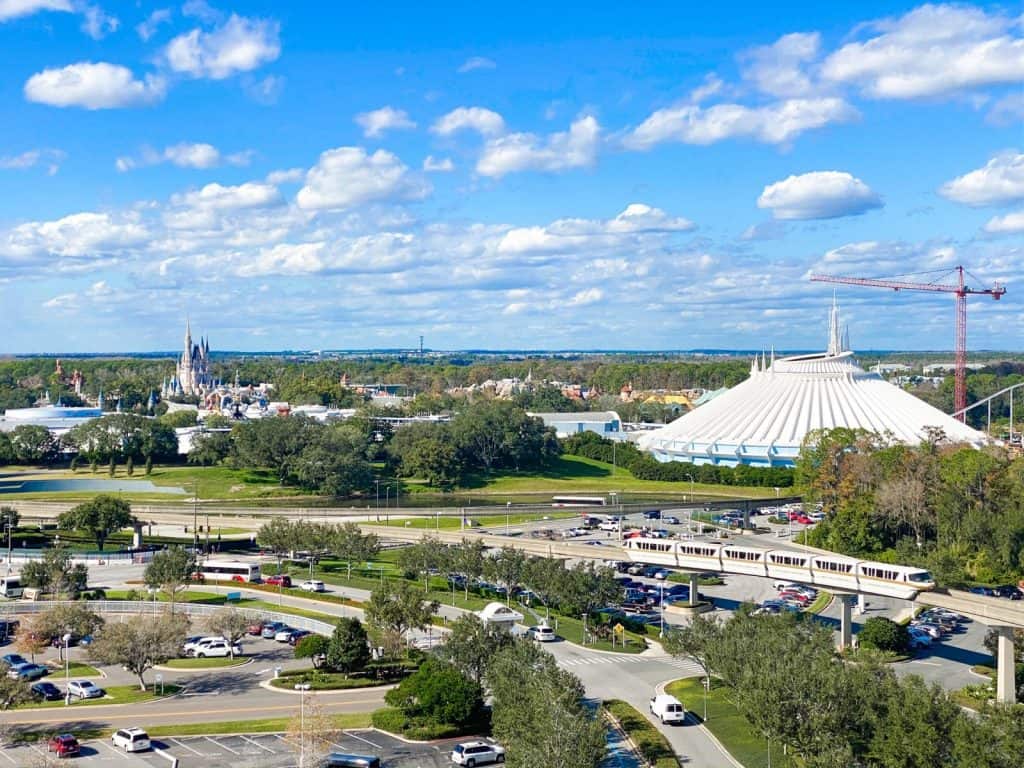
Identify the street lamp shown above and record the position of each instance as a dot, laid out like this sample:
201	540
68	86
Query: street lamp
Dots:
195	516
10	538
376	483
690	478
662	610
707	687
508	510
67	669
302	688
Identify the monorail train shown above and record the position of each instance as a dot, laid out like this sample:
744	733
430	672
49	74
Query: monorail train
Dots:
835	571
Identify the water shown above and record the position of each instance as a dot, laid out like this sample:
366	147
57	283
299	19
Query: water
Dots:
51	486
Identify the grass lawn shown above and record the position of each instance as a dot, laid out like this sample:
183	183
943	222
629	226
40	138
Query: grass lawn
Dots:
481	521
727	724
116	694
651	743
210	598
75	669
271	725
212	663
821	602
326	681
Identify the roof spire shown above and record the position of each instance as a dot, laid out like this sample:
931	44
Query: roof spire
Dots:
835	342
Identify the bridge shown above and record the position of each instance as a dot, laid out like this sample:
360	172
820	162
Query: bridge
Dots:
1000	614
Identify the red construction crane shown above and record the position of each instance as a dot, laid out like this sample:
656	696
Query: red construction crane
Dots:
961	291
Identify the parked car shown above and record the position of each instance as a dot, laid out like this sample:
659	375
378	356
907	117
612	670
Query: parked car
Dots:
542	634
671	520
340	760
271	628
46	691
636	570
473	753
652	514
313	585
130	739
987	591
661	574
189	648
63	745
27	672
256	628
279	580
215	649
296	635
85	689
10	659
934	632
667	708
1010	592
918	639
283	634
609	525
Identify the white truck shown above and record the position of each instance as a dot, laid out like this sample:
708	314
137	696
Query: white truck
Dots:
668	708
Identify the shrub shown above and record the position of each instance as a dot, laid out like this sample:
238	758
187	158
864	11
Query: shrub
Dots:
883	634
311	646
389	719
437	693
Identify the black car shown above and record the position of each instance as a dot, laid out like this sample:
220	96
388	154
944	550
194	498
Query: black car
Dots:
652	514
987	591
1009	591
47	692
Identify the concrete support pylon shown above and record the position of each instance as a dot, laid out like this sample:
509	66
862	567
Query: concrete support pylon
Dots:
693	589
845	623
1006	689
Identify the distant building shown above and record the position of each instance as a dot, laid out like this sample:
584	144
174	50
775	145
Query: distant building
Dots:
499	615
605	423
59	419
192	375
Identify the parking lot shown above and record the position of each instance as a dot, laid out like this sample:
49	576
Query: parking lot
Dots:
266	750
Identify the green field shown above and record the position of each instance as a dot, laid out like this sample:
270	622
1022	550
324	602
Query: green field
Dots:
214	663
727	724
75	669
272	725
116	694
211	598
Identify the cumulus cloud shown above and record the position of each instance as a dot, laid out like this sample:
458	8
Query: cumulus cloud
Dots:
931	51
52	158
484	121
587	296
516	152
772	124
13	9
712	85
148	28
93	85
1010	224
348	176
287	176
184	155
97	24
377	122
1000	181
79	235
781	69
240	45
818	195
476	62
438	165
251	194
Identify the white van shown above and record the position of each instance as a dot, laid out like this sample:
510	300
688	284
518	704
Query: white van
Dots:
10	587
668	708
130	739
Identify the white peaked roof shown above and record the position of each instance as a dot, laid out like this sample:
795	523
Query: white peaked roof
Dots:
763	420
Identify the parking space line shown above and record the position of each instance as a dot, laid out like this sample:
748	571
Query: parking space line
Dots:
222	745
113	749
256	743
186	746
367	741
4	753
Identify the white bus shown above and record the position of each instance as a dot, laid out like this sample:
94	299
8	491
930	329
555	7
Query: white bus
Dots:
10	586
227	570
578	501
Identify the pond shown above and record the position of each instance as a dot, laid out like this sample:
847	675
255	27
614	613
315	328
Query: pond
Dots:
52	486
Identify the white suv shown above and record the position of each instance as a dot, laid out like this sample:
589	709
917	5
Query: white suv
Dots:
313	585
219	647
130	739
472	753
190	647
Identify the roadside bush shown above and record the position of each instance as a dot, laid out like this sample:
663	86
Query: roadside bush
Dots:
883	634
437	693
311	647
390	719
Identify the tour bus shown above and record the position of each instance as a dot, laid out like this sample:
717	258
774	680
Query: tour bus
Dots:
228	570
10	587
578	501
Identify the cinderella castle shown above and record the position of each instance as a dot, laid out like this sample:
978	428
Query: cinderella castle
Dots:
192	376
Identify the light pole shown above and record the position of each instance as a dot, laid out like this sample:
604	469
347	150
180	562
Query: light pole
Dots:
662	610
690	478
707	687
67	669
195	516
508	510
10	538
387	500
302	688
376	483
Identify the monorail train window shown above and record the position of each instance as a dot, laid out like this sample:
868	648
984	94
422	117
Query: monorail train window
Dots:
800	562
919	576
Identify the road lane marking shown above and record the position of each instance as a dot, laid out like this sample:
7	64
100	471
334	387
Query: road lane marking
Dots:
186	746
222	745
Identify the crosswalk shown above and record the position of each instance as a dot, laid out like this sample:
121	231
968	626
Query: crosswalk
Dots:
684	665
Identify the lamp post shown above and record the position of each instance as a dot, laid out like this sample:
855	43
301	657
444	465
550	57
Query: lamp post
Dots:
195	516
10	539
387	499
707	687
67	669
302	688
662	610
376	483
690	478
508	510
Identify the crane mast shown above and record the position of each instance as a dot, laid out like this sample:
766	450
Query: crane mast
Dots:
961	292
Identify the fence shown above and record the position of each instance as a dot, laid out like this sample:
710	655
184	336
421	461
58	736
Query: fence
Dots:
152	608
98	558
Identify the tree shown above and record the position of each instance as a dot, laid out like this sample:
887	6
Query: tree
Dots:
916	725
209	448
437	693
349	648
468	558
587	587
141	642
9	516
229	623
507	567
694	640
75	619
992	740
101	516
350	544
311	732
395	607
312	647
12	694
33	444
55	573
471	644
280	535
538	711
170	571
423	558
31	642
545	576
883	634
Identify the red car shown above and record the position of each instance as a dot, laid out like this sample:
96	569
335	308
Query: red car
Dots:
803	520
64	745
282	579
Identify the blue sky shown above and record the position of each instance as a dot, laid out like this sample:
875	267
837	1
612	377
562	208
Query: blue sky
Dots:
319	175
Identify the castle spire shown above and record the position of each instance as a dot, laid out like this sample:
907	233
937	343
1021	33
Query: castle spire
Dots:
835	340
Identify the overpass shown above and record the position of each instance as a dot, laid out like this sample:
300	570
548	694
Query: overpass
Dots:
1003	615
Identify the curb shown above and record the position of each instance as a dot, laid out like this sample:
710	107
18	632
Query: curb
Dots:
245	663
633	746
57	670
690	716
385	687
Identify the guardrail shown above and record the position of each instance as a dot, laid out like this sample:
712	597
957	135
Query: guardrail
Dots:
152	608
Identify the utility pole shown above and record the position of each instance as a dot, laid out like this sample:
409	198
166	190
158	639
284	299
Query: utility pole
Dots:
195	516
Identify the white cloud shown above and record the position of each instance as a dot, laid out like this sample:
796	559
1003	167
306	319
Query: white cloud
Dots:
818	195
29	159
780	69
97	24
772	124
1008	110
193	155
476	62
200	9
438	165
184	155
933	50
287	176
588	296
484	121
348	176
378	121
240	45
93	85
149	27
251	194
1010	224
712	84
515	152
265	91
78	235
13	9
1000	181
